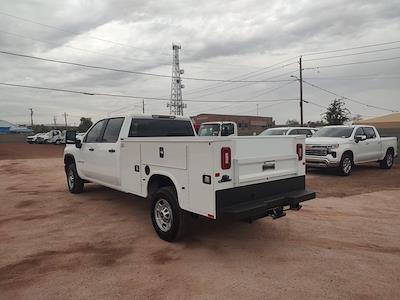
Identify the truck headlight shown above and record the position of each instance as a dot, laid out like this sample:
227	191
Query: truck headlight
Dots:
334	146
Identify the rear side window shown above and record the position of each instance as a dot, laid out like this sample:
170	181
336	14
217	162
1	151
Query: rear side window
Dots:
94	135
111	133
369	132
160	127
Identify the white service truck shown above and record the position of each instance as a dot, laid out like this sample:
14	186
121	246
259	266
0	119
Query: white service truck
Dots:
159	157
344	146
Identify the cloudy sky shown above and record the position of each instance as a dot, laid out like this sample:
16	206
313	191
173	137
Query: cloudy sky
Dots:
219	39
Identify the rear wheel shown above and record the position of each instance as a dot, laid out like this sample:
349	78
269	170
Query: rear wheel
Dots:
75	183
388	160
346	164
167	217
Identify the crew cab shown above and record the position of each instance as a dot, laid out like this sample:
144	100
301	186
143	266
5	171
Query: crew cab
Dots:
307	131
223	128
159	157
342	147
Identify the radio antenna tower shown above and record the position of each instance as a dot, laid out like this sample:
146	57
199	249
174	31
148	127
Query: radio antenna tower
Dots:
176	105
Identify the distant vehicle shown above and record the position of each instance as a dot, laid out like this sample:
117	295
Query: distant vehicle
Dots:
344	146
183	175
51	137
31	139
225	128
307	131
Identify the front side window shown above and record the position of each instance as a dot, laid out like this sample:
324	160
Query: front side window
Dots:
209	130
160	128
369	132
294	132
94	135
359	131
111	133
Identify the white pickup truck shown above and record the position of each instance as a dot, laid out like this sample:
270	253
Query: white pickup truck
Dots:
183	175
221	128
344	146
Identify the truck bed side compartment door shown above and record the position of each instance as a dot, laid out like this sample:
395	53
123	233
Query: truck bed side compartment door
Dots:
131	180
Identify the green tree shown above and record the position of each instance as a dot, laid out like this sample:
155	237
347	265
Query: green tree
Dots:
85	124
337	113
292	123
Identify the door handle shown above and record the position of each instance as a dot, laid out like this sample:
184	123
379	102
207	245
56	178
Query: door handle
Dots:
111	150
91	149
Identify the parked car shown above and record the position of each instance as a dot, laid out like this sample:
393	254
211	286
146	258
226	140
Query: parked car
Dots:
343	147
307	131
159	157
218	129
31	139
51	137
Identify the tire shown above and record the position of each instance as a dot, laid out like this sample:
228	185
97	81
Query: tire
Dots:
346	164
74	182
169	220
388	160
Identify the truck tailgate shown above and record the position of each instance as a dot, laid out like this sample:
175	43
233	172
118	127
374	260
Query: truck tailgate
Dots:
266	158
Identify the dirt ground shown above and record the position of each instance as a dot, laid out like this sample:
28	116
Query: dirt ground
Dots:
101	244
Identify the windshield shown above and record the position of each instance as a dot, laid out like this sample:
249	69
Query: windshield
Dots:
341	132
209	130
274	132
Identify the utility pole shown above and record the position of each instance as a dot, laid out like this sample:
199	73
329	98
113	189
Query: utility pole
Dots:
143	105
65	120
31	109
257	109
55	120
176	105
301	93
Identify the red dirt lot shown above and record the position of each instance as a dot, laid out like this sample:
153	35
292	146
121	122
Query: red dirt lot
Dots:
101	244
25	150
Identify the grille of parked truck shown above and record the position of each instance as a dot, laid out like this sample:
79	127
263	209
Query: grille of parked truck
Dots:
342	147
184	175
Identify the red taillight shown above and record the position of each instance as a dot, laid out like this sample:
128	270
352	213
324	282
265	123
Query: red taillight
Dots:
299	151
225	158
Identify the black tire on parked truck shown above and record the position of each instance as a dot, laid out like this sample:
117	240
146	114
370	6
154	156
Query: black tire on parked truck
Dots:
346	164
74	182
388	160
169	220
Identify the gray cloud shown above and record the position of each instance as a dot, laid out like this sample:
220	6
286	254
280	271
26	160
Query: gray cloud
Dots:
219	40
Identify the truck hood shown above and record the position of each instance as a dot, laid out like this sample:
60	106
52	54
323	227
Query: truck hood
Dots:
325	140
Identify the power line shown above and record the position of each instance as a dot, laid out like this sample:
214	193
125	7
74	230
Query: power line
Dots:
131	72
77	33
373	77
244	76
344	97
67	46
353	48
86	93
352	54
353	63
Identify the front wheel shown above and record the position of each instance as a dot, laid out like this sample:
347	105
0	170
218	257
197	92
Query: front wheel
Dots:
75	183
167	217
346	165
388	160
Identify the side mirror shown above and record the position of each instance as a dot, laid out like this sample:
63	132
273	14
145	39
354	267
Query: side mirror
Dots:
359	138
70	137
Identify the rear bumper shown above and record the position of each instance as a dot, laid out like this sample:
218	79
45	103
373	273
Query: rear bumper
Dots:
258	200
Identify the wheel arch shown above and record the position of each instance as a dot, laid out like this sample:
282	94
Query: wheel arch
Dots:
159	180
350	153
68	160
